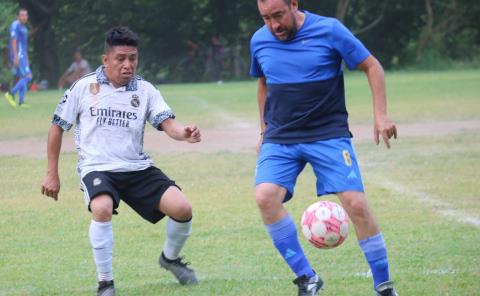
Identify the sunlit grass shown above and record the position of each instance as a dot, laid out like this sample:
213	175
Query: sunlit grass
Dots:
44	247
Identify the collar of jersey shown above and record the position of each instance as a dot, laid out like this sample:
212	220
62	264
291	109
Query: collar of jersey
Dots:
102	79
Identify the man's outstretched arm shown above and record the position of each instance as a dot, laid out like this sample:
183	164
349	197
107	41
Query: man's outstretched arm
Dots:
383	126
51	182
179	132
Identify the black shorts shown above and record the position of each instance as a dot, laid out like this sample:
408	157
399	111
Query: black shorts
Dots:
141	190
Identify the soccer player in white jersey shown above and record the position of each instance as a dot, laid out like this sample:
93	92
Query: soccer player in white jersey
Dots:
110	108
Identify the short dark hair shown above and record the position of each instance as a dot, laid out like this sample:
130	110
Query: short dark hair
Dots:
20	10
120	36
288	2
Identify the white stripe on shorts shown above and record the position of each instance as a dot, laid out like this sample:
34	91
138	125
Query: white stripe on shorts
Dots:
86	196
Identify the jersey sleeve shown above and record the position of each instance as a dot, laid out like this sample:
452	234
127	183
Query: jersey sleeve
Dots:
255	69
158	110
352	51
67	110
14	31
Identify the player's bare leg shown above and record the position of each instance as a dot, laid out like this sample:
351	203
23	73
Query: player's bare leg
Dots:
102	208
356	205
175	205
101	239
283	232
179	227
269	198
370	240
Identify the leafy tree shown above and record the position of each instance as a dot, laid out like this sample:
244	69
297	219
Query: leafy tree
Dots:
176	36
41	16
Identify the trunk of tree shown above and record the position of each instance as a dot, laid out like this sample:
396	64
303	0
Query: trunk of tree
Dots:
342	7
41	15
451	21
428	31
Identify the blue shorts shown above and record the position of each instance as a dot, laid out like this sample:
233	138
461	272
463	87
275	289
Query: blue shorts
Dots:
23	68
334	163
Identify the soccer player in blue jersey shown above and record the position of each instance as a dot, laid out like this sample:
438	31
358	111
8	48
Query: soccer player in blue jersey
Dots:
297	58
18	46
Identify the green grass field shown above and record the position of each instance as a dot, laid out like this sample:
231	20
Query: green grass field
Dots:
421	191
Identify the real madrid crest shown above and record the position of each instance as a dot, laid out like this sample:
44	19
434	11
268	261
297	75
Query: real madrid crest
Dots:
94	88
135	101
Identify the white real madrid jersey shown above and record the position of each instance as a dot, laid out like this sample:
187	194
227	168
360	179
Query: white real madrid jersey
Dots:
110	122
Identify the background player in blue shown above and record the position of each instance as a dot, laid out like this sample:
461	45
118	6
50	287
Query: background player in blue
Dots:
297	58
18	46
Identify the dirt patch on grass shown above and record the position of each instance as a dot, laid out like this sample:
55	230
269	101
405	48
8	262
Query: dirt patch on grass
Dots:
234	139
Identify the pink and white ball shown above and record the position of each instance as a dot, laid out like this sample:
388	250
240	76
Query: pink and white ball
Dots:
325	224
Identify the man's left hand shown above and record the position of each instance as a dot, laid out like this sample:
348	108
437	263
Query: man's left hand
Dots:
192	134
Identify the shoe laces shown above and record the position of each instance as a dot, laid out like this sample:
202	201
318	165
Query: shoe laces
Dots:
387	292
179	261
302	282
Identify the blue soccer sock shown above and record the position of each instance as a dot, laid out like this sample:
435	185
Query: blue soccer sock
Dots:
285	239
21	87
21	95
17	86
376	254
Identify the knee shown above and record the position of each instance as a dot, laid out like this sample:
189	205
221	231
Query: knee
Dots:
358	208
183	212
102	208
267	197
263	201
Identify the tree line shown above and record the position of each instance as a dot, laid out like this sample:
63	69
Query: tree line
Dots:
202	40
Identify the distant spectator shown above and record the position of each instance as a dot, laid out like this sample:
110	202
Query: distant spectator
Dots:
77	69
216	45
193	48
217	54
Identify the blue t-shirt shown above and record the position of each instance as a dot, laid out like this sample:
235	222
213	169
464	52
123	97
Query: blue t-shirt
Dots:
19	32
305	90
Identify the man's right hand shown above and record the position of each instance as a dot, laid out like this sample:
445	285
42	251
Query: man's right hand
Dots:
51	185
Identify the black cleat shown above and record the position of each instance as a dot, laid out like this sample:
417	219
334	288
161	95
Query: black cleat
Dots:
308	286
184	275
386	289
106	288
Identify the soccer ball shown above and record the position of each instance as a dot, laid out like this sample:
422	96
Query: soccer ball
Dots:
325	224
